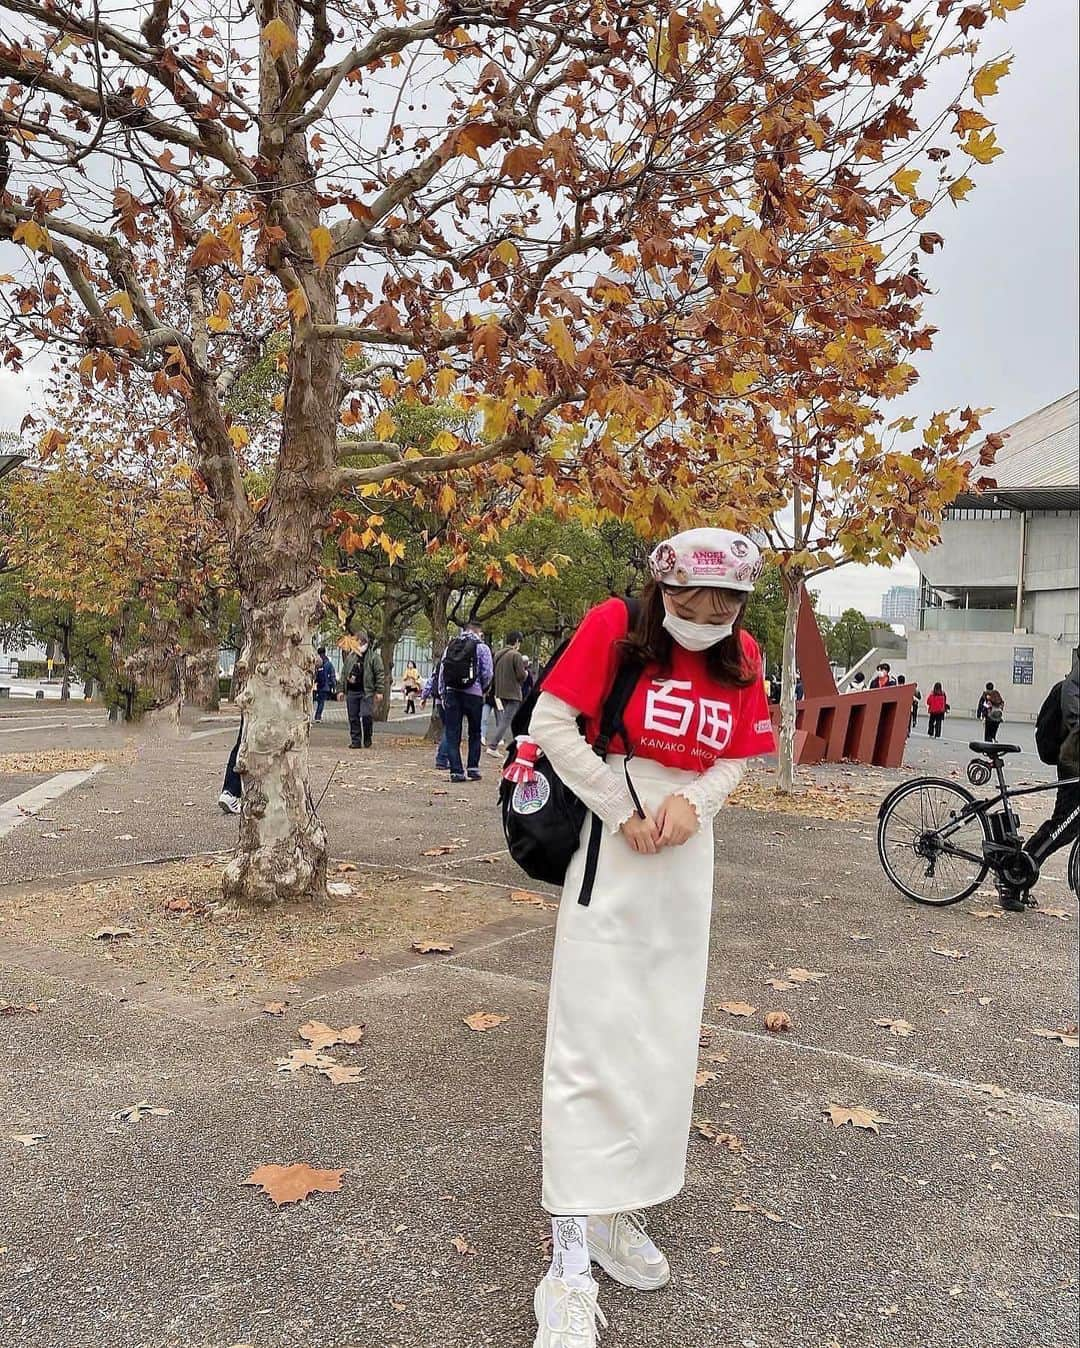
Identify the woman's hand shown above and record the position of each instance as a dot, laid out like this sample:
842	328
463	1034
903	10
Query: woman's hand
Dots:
642	835
677	821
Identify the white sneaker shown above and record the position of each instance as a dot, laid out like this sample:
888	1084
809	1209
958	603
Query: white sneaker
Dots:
229	803
623	1248
566	1313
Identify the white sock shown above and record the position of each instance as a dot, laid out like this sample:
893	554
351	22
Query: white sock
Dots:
569	1247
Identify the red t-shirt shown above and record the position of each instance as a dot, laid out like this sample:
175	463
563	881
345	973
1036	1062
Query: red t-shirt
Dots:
683	719
936	702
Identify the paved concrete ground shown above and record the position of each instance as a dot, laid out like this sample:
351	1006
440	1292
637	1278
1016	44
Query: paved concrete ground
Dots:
956	1225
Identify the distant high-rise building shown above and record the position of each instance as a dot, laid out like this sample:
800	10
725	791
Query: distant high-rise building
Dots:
901	605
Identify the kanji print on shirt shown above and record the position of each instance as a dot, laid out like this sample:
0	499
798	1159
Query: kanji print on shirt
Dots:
682	718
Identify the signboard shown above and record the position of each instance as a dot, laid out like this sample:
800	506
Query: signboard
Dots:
1023	664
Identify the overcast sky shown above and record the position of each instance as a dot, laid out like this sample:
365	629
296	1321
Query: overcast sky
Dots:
1006	281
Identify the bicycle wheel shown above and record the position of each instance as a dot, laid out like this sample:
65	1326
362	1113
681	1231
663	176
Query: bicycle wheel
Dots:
1074	868
926	849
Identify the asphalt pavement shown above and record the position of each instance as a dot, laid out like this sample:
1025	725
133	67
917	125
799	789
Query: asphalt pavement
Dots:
952	1226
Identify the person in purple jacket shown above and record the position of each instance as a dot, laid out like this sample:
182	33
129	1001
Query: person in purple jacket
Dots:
464	675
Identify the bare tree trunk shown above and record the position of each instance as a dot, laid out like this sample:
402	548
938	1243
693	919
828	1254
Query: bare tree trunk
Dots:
282	848
65	647
786	767
388	640
440	625
155	671
200	677
387	647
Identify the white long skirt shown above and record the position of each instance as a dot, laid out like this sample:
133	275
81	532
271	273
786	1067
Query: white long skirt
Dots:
624	1017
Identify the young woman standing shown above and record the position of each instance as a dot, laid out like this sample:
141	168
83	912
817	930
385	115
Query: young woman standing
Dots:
937	704
628	979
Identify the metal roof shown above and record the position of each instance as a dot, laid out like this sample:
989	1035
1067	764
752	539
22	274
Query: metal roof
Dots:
9	462
1038	467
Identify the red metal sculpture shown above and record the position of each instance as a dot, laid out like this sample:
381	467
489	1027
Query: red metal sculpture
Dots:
870	726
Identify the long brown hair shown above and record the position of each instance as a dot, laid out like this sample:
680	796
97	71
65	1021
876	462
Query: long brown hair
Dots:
649	642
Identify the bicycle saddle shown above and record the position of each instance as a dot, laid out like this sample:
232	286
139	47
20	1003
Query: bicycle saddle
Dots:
993	750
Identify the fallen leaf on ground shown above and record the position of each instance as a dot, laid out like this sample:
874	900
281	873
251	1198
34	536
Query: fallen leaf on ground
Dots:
319	1035
339	889
28	1139
345	867
179	906
274	1008
527	896
433	947
704	1077
437	889
717	1057
341	1074
19	1008
293	1183
737	1008
462	1245
745	1205
898	1027
781	984
988	1088
804	976
776	1022
859	1117
719	1138
140	1110
301	1058
951	954
1070	1035
1062	913
437	851
112	933
484	1020
987	912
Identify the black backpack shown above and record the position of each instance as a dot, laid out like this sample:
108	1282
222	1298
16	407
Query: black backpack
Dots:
459	663
1050	726
542	819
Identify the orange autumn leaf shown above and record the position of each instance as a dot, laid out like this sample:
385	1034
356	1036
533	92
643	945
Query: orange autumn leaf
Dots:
293	1183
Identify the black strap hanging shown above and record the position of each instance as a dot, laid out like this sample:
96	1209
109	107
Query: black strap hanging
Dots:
611	724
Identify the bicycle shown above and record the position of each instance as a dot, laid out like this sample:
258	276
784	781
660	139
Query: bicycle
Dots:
937	842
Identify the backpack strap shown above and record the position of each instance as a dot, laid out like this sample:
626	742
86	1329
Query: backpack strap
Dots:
627	677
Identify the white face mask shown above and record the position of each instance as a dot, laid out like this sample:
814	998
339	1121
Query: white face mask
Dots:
696	636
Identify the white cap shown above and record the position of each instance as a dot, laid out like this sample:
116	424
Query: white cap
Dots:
718	557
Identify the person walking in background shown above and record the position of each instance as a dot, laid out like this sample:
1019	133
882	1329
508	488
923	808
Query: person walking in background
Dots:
508	687
365	687
858	683
775	688
915	705
991	711
1057	738
937	704
883	676
325	682
465	674
411	687
430	691
489	715
232	788
529	681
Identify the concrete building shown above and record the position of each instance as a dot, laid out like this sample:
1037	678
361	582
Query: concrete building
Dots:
900	604
998	596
